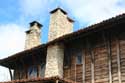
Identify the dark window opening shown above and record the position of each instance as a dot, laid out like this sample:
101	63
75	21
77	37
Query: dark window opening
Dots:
79	57
32	72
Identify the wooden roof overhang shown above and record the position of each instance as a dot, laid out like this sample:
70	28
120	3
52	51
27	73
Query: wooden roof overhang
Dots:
104	25
42	80
24	57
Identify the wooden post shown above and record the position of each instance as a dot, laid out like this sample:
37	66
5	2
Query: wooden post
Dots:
107	42
69	77
57	81
83	61
92	66
34	63
25	68
118	60
10	74
14	73
38	70
92	61
109	61
75	72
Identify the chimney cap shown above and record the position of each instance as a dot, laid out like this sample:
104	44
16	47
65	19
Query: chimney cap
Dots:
58	8
38	24
28	31
70	20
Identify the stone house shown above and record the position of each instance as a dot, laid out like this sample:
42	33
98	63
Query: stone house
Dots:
95	54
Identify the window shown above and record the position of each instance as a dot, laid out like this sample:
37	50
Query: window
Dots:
32	72
79	57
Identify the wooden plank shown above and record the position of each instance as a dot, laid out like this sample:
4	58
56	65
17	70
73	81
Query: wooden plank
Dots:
35	64
10	74
107	42
83	61
92	67
92	61
75	72
38	70
16	70
25	69
69	77
57	81
109	60
87	68
118	60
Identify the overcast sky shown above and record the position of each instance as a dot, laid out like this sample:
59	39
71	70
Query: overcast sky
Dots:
15	16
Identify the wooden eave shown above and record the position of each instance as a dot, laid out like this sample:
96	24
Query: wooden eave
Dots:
14	59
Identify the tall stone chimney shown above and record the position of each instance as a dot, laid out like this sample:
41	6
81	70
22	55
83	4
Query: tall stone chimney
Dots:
60	24
33	35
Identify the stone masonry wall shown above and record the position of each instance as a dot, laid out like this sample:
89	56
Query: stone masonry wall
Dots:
54	66
59	25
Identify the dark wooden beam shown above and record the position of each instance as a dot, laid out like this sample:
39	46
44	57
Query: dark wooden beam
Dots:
33	59
89	50
11	76
35	64
24	67
16	67
38	69
118	59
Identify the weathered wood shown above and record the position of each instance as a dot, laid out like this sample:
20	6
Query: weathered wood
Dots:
92	67
34	64
38	70
75	72
83	61
57	81
34	60
25	75
109	59
10	74
107	42
92	60
118	60
100	62
15	72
